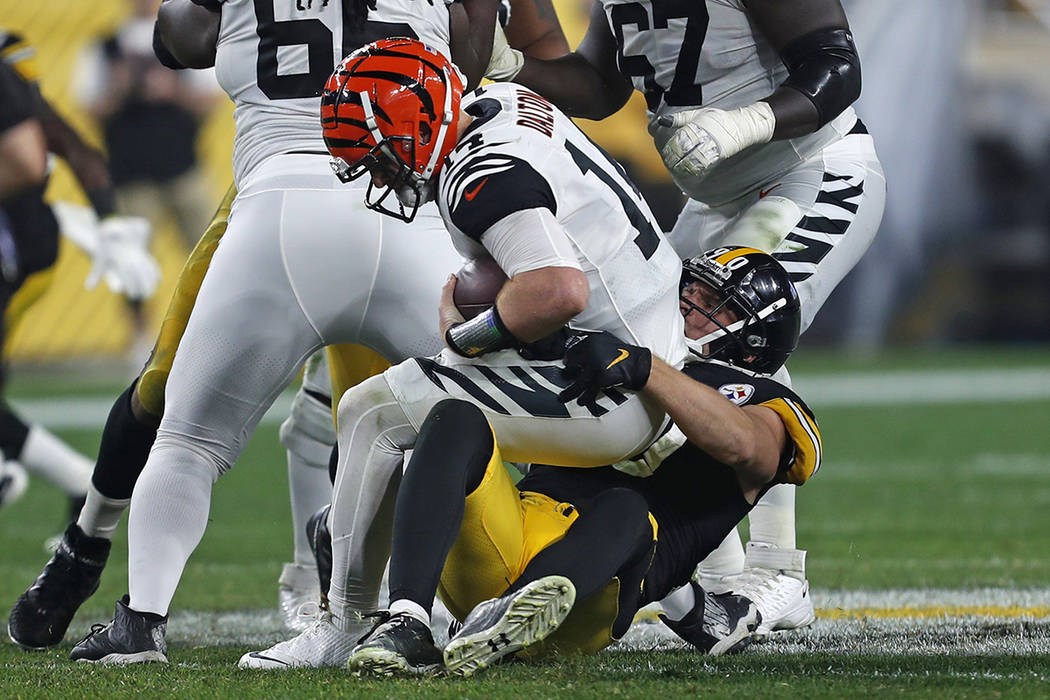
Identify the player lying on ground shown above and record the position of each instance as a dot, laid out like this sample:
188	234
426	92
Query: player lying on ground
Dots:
569	555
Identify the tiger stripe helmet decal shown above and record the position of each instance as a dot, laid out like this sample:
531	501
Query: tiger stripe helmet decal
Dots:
390	108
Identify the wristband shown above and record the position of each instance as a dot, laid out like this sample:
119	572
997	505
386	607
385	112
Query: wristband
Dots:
481	334
103	201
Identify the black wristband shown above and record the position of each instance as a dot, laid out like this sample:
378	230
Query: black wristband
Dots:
484	333
103	201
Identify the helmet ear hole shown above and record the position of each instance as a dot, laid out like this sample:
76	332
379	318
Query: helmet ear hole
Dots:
425	133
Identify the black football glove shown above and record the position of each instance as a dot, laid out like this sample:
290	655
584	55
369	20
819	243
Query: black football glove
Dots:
600	360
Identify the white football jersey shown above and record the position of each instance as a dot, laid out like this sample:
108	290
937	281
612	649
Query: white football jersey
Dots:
683	54
521	153
274	56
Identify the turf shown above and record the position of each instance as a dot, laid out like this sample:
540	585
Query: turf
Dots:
944	496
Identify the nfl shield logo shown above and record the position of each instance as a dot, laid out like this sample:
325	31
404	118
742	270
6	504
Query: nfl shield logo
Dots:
737	393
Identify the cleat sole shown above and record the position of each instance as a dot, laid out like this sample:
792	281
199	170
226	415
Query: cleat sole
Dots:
536	611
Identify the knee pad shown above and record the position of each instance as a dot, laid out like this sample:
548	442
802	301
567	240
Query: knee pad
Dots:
308	431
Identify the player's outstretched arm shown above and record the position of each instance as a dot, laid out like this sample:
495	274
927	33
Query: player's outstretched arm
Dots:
585	83
189	32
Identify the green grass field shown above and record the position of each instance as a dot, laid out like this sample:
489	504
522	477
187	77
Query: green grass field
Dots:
928	531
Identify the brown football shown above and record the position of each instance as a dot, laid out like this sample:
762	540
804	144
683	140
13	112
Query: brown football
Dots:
477	284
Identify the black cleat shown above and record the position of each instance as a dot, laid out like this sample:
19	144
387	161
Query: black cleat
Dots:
397	645
320	540
717	624
502	626
131	638
43	612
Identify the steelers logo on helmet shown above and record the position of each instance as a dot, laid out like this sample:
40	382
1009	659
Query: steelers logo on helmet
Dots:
758	291
389	109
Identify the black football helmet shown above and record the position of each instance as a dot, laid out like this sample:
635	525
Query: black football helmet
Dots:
759	292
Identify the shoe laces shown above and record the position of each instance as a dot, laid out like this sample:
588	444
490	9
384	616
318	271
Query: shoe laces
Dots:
763	584
96	628
381	618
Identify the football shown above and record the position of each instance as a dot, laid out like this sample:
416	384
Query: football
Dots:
477	284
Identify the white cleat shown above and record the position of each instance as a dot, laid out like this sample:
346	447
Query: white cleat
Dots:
775	580
322	645
297	586
501	626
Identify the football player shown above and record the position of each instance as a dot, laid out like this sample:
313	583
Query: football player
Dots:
302	264
43	613
517	180
749	105
569	555
29	228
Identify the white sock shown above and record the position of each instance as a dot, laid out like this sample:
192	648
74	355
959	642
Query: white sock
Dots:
772	519
727	560
169	512
308	434
46	455
100	515
410	607
678	603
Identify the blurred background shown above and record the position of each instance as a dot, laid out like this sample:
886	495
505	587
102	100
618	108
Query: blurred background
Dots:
956	94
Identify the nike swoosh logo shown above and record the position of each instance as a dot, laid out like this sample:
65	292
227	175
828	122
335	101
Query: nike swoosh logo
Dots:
623	356
469	195
259	655
763	193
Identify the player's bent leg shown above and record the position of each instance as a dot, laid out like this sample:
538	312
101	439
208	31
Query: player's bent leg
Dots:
453	455
502	626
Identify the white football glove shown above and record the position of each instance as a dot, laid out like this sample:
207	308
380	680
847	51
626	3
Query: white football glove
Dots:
694	141
118	246
123	258
505	62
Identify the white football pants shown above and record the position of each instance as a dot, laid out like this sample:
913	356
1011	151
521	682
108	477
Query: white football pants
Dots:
817	219
380	418
302	264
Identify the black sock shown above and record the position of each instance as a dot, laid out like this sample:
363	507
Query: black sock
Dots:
448	463
13	433
124	449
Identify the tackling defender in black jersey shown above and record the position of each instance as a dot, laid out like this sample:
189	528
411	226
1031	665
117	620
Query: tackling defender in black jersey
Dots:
569	555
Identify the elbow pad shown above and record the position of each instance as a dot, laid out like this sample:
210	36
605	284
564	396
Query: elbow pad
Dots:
824	66
161	51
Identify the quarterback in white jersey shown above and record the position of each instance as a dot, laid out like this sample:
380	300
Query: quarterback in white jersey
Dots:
519	182
749	105
302	264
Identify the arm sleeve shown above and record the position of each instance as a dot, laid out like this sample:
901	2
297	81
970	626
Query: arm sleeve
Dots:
530	239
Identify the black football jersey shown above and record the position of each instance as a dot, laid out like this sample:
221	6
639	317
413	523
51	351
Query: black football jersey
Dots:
695	499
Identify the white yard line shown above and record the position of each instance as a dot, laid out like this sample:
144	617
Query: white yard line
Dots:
984	621
854	389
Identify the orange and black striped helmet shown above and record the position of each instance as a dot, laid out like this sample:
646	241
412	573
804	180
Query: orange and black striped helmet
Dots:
390	109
